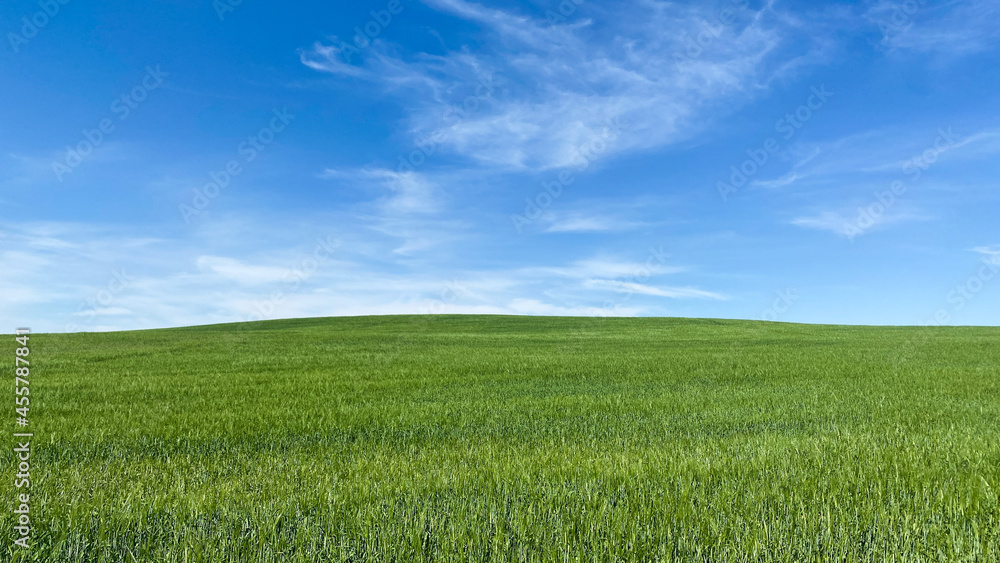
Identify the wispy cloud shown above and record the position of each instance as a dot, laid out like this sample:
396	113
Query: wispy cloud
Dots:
947	28
548	91
845	223
411	192
406	205
329	58
185	282
826	221
878	151
588	224
991	252
879	178
656	291
604	268
780	182
234	270
536	307
104	311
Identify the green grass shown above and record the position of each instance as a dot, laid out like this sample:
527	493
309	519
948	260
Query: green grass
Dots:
490	438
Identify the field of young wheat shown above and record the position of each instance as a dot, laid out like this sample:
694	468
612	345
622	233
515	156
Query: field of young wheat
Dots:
492	438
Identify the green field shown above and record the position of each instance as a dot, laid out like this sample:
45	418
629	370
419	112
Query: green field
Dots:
493	438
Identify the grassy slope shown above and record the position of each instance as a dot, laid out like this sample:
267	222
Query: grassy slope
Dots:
459	438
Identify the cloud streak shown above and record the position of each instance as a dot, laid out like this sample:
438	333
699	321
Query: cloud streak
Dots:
662	291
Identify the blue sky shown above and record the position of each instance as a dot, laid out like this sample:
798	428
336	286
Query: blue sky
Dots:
179	162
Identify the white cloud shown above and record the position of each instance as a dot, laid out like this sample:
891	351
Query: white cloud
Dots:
408	205
662	291
604	268
827	221
897	150
780	182
948	28
411	192
992	252
60	287
862	168
536	307
850	224
398	257
103	311
328	58
541	95
240	272
588	224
